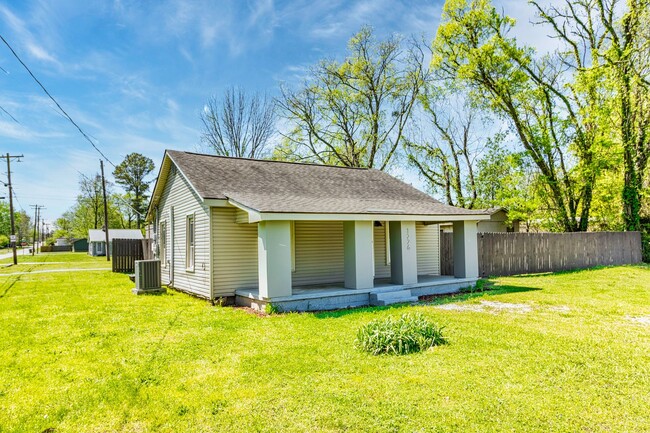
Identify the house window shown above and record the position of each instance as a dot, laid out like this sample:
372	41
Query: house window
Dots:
189	249
163	243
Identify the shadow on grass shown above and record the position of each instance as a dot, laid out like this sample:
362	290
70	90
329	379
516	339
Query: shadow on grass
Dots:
487	289
12	282
9	287
575	271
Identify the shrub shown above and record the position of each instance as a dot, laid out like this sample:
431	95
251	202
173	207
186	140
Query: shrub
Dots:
272	309
4	241
399	336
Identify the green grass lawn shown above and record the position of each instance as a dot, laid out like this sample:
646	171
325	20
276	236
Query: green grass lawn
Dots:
47	261
552	353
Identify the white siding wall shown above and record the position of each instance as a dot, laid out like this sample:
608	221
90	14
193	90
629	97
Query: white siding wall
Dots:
235	252
318	252
382	270
178	193
428	248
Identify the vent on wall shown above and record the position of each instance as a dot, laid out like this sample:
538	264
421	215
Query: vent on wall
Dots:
147	277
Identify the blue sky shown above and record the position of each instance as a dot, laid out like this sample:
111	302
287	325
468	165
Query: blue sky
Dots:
135	74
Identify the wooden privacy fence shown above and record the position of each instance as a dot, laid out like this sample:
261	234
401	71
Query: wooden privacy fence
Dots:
529	253
55	248
125	252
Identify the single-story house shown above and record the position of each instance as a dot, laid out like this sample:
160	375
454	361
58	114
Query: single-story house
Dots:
301	236
97	239
498	222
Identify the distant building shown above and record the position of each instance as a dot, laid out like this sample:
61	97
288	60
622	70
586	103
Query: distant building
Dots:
498	222
80	245
97	239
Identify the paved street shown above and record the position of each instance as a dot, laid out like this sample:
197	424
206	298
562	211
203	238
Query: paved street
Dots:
19	251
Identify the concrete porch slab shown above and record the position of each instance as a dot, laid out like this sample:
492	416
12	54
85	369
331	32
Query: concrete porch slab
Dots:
335	296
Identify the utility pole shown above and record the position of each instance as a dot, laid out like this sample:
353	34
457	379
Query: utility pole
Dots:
37	229
108	255
11	204
34	238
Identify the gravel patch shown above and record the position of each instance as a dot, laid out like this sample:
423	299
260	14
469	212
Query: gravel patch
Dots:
643	320
488	307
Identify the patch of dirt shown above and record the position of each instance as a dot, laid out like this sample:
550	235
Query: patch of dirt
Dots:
559	308
251	311
488	307
504	306
643	320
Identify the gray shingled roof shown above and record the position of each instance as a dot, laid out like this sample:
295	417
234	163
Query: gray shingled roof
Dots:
282	187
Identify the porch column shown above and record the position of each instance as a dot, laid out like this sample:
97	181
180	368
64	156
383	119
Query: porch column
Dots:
465	249
274	258
357	254
403	257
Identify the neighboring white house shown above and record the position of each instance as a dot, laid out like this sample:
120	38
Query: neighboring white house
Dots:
234	228
97	239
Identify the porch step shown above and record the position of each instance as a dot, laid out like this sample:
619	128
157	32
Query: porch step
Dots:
388	298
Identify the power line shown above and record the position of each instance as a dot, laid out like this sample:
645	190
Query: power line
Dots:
9	114
55	101
16	198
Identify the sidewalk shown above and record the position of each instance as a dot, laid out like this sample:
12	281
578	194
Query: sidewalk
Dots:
19	252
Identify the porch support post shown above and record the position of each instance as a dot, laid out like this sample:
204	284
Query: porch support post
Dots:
403	257
465	249
274	258
357	253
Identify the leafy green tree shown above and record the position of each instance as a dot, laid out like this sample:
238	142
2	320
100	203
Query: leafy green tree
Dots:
473	48
90	202
609	43
354	112
131	175
5	222
23	225
63	227
507	179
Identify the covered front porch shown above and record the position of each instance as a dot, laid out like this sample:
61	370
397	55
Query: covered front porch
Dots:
359	287
336	296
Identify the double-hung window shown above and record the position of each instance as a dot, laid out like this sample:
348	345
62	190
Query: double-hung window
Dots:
189	242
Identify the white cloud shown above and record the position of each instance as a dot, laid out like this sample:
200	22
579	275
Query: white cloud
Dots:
12	130
26	38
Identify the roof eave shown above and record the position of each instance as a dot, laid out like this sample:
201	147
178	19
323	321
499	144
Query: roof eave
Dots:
255	216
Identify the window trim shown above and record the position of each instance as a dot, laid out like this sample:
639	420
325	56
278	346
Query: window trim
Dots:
190	248
162	243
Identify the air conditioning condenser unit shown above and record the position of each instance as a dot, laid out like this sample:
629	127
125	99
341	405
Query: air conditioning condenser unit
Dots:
147	277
